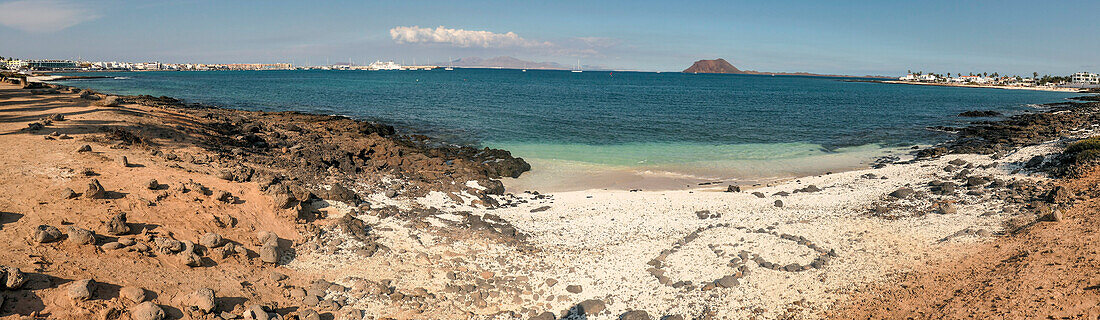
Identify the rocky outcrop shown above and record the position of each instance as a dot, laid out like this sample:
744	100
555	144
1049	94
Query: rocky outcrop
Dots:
989	137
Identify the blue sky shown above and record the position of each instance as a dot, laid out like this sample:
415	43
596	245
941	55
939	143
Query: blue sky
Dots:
846	37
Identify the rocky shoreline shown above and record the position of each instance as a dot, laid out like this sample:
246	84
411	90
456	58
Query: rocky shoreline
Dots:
148	208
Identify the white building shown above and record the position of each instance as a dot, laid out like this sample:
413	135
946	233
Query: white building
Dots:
1085	78
972	79
919	77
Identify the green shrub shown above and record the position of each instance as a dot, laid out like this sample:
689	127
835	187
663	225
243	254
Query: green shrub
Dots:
1083	145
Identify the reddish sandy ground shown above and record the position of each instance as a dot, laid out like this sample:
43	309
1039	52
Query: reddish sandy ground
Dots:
1050	270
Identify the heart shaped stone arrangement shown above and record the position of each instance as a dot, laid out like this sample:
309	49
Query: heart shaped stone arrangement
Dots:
737	262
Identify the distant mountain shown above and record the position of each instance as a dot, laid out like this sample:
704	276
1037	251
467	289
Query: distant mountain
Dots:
713	66
722	66
505	62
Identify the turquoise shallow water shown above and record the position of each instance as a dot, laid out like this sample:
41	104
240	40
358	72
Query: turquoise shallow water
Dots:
707	126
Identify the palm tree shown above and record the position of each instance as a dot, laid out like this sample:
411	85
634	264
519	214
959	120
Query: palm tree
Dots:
1034	75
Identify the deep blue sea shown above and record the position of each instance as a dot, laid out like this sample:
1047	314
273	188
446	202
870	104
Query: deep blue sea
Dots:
691	125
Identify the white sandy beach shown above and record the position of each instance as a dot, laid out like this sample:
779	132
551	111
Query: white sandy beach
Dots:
604	241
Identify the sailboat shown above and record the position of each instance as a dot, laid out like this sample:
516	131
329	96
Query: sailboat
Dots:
525	67
451	67
578	70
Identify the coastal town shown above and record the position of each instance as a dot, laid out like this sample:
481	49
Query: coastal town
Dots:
1076	82
81	65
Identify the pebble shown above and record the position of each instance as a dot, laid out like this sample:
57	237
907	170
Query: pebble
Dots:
309	314
153	184
269	254
591	307
134	294
211	240
67	193
117	225
573	288
95	190
190	259
902	193
779	203
146	311
224	196
201	301
256	312
80	236
126	241
46	234
112	246
635	315
12	277
81	290
727	282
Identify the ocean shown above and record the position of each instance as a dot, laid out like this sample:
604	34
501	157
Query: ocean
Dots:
602	129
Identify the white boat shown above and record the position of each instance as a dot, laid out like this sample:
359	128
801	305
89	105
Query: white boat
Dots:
449	69
388	65
578	70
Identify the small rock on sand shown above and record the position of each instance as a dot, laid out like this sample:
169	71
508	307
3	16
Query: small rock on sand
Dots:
540	209
733	188
153	184
135	294
758	194
573	288
224	196
190	259
591	306
109	101
117	225
545	316
902	193
67	193
12	278
211	240
727	282
46	234
95	190
84	148
635	315
946	208
309	314
269	254
200	302
266	237
80	236
255	312
779	203
81	290
125	163
551	282
146	311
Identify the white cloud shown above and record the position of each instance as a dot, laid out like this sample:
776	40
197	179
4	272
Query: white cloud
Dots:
42	16
462	38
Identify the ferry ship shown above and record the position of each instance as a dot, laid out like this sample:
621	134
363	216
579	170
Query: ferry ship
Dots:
388	65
